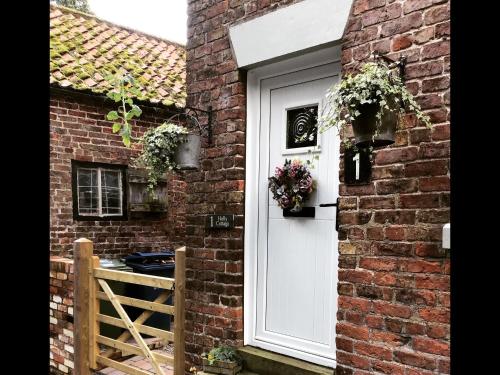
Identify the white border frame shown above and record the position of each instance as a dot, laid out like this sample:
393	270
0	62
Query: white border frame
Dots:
254	78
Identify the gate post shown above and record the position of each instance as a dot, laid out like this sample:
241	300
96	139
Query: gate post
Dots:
179	336
82	251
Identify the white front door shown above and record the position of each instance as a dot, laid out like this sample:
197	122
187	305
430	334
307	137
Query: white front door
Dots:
296	261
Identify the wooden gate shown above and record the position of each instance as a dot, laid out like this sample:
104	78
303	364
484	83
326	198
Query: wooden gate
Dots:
90	286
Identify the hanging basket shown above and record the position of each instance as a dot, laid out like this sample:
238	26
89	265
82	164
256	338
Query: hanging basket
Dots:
187	155
365	125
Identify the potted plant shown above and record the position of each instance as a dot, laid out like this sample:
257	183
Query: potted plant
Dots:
159	146
373	101
291	185
222	360
187	155
168	143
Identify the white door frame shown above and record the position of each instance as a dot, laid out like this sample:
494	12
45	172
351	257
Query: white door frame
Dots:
254	78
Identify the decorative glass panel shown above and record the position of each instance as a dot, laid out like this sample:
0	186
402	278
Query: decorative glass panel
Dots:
302	127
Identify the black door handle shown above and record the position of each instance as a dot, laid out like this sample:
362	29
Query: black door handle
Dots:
336	205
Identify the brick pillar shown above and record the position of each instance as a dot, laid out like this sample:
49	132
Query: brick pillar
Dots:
214	264
394	284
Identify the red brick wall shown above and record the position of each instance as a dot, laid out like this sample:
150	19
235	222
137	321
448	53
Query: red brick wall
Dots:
61	316
214	297
79	130
394	282
393	312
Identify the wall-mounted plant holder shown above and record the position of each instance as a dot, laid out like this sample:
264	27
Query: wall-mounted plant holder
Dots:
140	201
305	212
187	155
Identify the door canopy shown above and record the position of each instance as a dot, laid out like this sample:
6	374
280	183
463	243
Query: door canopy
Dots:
298	28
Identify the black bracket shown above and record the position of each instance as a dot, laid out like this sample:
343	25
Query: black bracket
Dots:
401	63
194	114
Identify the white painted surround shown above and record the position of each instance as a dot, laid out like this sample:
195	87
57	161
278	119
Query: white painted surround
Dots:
307	25
254	80
290	39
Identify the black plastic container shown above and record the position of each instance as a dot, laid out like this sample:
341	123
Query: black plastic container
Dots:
157	264
117	287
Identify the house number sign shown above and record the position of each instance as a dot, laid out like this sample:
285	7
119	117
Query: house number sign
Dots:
219	221
357	167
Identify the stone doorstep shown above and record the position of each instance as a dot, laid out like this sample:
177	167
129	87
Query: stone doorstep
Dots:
265	362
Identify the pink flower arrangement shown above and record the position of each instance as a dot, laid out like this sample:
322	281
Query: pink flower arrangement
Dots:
291	184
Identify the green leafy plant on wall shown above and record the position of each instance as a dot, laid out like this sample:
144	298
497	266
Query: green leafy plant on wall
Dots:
375	83
159	144
124	89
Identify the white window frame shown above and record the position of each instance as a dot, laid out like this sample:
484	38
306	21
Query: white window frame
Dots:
99	191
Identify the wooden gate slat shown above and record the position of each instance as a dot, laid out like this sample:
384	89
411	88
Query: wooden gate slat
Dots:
134	278
162	297
160	333
163	358
130	326
145	305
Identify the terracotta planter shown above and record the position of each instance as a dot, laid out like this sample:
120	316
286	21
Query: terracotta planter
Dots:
364	126
187	155
220	367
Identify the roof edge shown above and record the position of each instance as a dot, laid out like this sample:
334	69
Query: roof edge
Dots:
88	92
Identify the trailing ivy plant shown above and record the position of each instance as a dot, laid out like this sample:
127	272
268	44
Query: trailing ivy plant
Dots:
124	89
375	83
158	149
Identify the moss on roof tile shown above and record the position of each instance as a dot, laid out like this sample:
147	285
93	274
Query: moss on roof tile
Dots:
84	49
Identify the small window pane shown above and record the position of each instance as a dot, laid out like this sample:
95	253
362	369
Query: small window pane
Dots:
302	127
110	178
88	200
87	177
88	194
111	192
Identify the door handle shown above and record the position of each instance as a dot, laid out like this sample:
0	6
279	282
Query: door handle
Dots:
336	205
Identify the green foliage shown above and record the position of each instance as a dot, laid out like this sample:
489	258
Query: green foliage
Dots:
80	5
158	149
222	353
124	89
375	83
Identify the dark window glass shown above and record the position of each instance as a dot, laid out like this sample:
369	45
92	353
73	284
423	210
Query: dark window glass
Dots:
302	127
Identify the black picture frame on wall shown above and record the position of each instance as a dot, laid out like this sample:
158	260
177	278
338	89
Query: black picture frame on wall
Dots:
75	164
357	166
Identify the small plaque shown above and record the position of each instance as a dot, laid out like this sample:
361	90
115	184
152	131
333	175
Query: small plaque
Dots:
220	221
357	167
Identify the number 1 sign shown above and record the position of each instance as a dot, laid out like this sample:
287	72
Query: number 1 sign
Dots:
357	167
